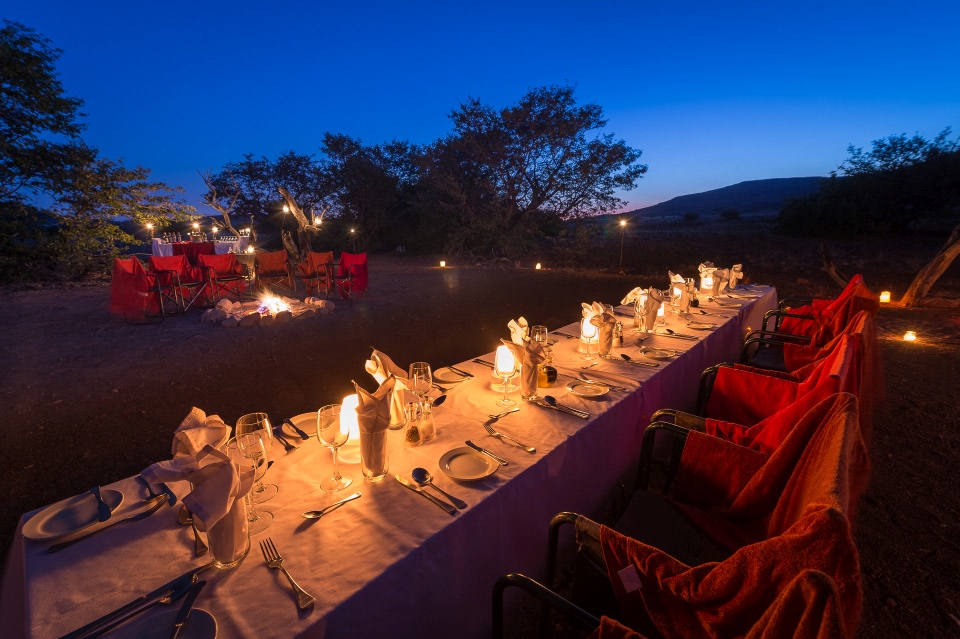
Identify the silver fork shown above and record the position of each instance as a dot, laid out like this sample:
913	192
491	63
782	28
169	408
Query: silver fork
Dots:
274	560
495	433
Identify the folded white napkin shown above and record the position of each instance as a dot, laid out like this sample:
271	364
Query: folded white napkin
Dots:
216	489
380	366
518	330
633	296
196	431
373	419
736	274
530	355
651	306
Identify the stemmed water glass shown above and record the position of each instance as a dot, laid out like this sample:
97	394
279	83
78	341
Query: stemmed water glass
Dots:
253	447
259	423
506	367
421	379
333	435
540	335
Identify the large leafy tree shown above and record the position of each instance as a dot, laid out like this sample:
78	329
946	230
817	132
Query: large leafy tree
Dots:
901	184
43	159
511	174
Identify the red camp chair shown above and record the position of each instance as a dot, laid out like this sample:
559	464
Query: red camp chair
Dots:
317	272
134	294
180	283
352	274
714	558
225	273
273	267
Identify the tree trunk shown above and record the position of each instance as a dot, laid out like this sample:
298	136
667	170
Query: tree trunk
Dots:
930	273
829	267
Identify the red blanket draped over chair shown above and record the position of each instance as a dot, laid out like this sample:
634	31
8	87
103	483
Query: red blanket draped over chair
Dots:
352	274
133	292
788	517
854	297
747	395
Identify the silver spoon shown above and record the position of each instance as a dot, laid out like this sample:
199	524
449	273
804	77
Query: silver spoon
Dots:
627	358
439	400
506	412
317	514
550	399
103	510
423	477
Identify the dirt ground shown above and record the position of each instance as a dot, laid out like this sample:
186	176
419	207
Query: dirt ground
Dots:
88	399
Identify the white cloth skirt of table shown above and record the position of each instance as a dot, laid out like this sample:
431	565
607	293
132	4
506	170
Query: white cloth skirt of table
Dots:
390	564
160	248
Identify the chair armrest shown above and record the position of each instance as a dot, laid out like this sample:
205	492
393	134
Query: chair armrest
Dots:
794	301
548	597
678	438
779	314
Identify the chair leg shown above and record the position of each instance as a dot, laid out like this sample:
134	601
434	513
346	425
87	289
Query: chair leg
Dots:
549	599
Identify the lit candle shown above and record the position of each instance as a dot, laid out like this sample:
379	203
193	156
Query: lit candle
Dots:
587	330
706	284
910	336
348	418
505	364
443	263
884	297
538	267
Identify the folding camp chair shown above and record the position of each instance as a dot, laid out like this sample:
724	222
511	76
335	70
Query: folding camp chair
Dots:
273	267
317	272
352	274
180	284
225	274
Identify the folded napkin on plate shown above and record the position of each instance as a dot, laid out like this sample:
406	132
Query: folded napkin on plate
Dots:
721	279
380	366
215	498
519	329
374	418
196	431
530	355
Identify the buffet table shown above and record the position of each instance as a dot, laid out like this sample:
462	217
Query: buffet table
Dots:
391	563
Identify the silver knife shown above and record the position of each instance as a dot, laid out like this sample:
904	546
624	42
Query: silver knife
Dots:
439	502
171	591
185	608
464	373
496	458
303	434
484	362
157	503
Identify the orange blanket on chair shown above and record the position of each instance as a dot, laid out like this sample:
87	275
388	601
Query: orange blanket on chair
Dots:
789	517
854	297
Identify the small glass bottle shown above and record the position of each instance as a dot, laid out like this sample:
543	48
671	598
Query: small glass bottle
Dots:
411	435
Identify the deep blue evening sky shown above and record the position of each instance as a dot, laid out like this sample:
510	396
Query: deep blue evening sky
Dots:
714	93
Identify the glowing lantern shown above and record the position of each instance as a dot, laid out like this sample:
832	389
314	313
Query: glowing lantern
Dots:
884	297
538	267
910	336
443	263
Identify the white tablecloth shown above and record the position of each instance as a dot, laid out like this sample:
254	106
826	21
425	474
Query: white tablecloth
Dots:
389	564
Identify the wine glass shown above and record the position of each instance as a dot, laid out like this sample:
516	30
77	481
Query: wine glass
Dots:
505	366
590	335
421	379
259	423
333	435
253	447
541	335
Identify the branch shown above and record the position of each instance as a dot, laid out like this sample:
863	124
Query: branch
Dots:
829	268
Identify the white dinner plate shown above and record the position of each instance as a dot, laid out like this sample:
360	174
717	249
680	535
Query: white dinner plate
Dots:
446	376
655	353
307	422
586	389
701	326
466	464
69	516
157	623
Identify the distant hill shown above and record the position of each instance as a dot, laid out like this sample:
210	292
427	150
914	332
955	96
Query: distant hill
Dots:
754	197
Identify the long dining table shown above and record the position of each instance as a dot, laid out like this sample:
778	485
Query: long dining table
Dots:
391	563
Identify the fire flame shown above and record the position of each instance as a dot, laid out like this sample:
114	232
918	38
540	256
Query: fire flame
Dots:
272	304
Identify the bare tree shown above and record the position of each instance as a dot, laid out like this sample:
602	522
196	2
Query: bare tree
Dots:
212	199
930	273
304	227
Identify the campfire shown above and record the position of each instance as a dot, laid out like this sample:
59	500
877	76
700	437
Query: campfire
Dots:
269	309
